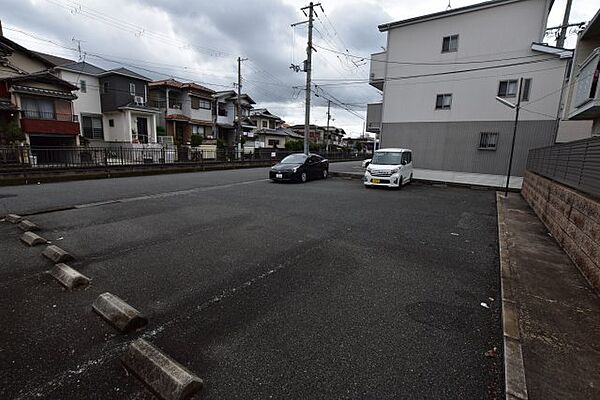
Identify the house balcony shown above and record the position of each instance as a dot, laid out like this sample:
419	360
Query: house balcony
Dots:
374	117
377	71
586	102
49	122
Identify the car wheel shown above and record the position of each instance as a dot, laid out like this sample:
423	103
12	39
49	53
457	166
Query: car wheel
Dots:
325	174
303	177
410	179
400	184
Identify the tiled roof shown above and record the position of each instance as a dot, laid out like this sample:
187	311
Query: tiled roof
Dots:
82	67
125	72
56	60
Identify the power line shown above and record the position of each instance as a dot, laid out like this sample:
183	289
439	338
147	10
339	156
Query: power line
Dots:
427	63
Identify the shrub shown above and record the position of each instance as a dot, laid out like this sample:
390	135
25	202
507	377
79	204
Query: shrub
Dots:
196	140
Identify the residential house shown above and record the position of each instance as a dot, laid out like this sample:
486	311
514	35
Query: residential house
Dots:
321	136
441	73
126	116
87	106
35	99
333	137
269	130
186	110
583	95
315	133
225	111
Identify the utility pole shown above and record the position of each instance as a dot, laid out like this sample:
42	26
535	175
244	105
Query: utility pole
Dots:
328	118
560	41
238	126
308	69
512	147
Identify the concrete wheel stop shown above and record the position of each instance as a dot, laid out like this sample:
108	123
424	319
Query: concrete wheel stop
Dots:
163	375
31	239
69	277
27	226
14	218
118	313
56	254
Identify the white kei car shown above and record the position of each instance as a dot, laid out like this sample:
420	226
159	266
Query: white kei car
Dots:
389	167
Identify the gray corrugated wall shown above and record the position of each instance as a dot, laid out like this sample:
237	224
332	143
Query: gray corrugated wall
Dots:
453	146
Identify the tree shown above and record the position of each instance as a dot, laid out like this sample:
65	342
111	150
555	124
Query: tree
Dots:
14	133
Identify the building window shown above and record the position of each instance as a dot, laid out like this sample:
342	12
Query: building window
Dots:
273	142
83	86
488	140
111	123
92	127
450	44
132	89
443	101
265	124
508	88
272	124
105	87
198	130
200	103
39	108
526	89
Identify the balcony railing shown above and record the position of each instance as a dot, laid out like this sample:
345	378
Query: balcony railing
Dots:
176	105
49	115
587	86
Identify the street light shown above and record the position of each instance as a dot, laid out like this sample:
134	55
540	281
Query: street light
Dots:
517	108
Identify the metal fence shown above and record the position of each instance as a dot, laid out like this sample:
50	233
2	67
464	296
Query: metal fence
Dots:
574	164
12	157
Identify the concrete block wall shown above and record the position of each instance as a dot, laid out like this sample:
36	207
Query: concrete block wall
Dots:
572	218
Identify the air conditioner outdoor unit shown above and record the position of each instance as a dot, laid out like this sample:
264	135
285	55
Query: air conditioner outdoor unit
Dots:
139	100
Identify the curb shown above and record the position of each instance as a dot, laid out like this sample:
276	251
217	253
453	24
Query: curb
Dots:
68	277
355	175
163	375
118	313
514	369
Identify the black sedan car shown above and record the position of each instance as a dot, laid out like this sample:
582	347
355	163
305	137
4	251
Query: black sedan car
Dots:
300	167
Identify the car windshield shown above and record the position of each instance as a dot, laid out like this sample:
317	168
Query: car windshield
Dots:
294	159
383	158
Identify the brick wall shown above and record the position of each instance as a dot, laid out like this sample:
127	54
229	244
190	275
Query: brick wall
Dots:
571	217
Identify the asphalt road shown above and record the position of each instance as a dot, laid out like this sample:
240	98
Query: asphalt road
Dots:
323	290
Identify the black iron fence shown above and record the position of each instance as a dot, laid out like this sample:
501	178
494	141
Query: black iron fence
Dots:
81	157
574	164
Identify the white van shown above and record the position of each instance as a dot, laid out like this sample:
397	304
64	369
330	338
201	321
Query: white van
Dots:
389	167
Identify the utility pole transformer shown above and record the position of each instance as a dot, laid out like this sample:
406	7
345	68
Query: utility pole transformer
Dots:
307	69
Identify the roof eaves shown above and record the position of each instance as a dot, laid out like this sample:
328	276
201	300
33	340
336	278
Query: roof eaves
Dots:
444	14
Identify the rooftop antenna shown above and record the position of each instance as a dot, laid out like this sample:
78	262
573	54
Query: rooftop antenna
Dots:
449	5
79	41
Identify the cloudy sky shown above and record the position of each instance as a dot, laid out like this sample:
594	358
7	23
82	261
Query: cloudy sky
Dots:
200	41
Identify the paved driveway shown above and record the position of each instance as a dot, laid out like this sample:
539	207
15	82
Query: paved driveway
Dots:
322	290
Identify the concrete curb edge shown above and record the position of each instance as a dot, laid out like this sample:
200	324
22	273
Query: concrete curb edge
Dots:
514	369
353	175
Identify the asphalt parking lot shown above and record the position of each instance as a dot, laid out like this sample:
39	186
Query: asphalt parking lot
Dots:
316	291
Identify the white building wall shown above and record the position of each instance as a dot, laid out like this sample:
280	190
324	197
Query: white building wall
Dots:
89	102
119	132
496	33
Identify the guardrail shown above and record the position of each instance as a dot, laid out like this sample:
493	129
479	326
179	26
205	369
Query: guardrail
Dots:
24	157
574	164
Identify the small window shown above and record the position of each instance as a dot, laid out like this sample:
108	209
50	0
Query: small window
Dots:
195	102
508	88
443	101
111	123
488	140
105	88
450	44
83	86
198	130
132	89
273	142
92	127
204	104
526	90
265	124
